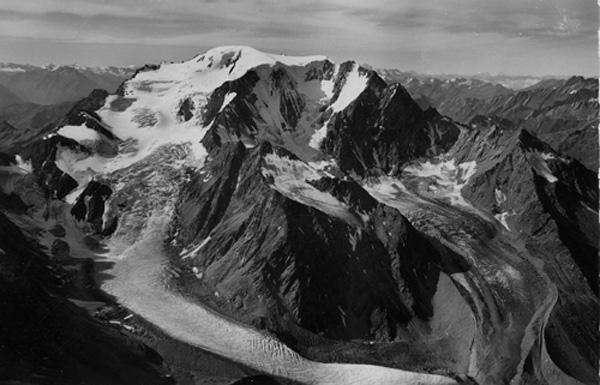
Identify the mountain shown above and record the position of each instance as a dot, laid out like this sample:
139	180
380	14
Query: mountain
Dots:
57	84
22	123
562	112
31	116
7	97
306	220
513	82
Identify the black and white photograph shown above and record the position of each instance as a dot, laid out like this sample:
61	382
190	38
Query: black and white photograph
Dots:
302	192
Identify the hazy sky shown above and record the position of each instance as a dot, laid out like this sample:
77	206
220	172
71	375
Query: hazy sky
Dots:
439	36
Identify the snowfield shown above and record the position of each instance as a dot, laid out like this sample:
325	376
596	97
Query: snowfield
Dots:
290	179
79	133
446	178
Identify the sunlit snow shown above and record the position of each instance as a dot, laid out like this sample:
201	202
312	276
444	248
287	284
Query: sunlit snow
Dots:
537	160
355	84
290	178
447	178
79	133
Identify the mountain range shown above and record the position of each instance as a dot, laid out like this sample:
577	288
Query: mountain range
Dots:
260	218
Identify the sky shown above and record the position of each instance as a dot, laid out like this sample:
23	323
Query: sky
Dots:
527	37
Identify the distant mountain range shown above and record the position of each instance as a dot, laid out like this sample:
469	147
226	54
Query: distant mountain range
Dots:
563	112
514	82
56	84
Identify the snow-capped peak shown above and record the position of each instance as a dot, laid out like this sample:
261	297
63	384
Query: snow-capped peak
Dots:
249	57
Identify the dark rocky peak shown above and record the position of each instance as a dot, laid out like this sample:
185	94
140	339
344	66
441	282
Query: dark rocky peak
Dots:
263	104
242	87
398	106
291	103
320	71
236	119
384	128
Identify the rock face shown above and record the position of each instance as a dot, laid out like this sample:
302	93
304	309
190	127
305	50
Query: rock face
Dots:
316	202
269	248
384	128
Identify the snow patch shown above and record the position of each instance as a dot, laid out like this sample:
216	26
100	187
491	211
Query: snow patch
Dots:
355	84
227	99
290	179
537	160
197	272
446	179
502	219
318	136
192	253
79	133
499	195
